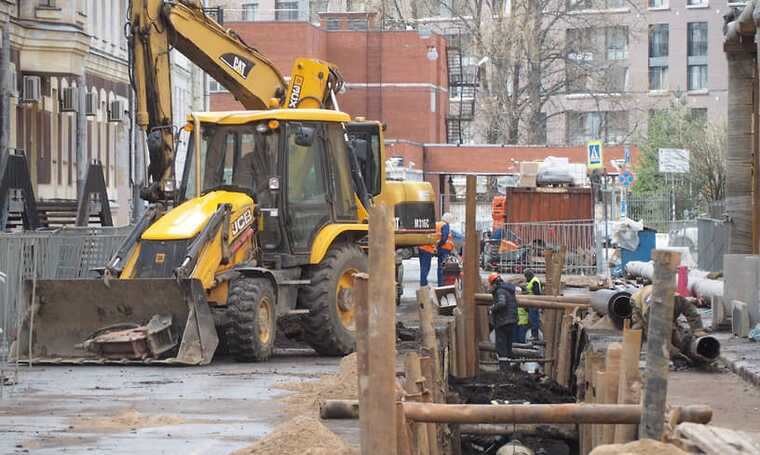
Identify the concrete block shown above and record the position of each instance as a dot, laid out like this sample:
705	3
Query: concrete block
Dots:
732	276
751	288
740	319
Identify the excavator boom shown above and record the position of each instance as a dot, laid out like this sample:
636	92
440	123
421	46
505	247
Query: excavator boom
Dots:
157	26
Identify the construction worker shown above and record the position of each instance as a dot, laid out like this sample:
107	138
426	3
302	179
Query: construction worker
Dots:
426	253
682	306
503	316
445	243
533	288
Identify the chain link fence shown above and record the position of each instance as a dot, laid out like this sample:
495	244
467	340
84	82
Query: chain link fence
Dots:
520	246
64	253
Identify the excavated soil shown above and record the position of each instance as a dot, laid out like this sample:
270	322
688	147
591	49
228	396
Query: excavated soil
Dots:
512	386
125	421
308	394
641	447
301	435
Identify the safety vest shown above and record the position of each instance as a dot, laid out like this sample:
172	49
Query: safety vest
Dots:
531	283
522	316
447	245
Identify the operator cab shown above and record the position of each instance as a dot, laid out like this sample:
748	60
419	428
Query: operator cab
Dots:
294	164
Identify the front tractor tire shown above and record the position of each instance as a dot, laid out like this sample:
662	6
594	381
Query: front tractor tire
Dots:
330	325
251	319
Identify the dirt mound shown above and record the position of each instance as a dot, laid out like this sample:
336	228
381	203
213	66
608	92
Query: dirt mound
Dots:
125	420
301	435
341	386
513	386
644	446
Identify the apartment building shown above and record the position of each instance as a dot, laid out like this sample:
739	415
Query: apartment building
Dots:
660	48
57	45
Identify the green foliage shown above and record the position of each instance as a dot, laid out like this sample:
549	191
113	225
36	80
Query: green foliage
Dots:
676	127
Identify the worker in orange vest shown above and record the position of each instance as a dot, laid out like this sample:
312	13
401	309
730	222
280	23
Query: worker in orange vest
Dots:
442	248
445	243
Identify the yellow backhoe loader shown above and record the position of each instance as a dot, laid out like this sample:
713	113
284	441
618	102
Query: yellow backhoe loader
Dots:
267	217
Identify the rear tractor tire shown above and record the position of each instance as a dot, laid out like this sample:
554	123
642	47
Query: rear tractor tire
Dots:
330	326
251	326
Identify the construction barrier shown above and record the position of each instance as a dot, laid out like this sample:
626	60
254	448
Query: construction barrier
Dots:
522	246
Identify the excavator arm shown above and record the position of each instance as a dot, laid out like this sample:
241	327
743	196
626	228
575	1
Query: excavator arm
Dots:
157	26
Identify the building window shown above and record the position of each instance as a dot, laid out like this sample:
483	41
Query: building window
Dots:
658	3
697	3
659	42
333	25
47	3
580	5
249	11
285	11
610	127
698	114
617	43
580	59
358	25
215	87
697	55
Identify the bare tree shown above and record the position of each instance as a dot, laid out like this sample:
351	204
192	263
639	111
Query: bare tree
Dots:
537	52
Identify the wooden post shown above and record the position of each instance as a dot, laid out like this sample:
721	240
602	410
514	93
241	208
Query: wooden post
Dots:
414	386
453	351
471	278
629	384
381	339
426	365
600	384
461	350
594	362
361	305
548	323
403	441
429	340
660	328
564	349
740	204
612	366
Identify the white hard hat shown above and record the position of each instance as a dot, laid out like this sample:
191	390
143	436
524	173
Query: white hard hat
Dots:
447	217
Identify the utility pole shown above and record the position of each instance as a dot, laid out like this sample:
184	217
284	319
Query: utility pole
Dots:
81	136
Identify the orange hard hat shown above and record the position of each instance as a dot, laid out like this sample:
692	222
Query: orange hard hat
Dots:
493	277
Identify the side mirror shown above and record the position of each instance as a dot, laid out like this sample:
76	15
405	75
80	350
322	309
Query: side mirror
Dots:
305	136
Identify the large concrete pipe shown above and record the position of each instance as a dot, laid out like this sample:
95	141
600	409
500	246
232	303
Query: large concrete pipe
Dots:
615	303
704	349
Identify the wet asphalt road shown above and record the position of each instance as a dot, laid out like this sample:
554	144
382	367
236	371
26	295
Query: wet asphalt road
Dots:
223	406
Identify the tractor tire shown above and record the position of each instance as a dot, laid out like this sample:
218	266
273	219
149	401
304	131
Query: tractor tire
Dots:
329	327
252	319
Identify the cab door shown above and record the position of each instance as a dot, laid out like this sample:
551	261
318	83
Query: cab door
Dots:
307	206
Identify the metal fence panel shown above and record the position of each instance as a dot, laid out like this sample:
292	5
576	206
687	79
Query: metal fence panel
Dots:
63	253
522	245
713	244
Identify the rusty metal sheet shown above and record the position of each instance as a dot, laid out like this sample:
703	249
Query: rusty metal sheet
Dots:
528	205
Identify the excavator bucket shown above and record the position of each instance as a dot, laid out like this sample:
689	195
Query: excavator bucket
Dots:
119	321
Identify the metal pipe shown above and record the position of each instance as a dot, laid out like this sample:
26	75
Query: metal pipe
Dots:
704	349
490	347
525	302
567	432
615	303
542	413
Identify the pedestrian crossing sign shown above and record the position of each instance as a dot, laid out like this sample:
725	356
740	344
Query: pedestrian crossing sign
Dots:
594	149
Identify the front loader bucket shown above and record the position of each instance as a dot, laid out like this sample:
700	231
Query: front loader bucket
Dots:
66	313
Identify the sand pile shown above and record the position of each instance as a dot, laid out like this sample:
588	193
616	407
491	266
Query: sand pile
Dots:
341	386
643	446
125	420
301	435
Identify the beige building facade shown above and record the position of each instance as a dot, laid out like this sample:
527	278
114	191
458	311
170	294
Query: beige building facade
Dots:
672	48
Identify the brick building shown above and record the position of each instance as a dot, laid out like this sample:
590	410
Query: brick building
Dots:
397	77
